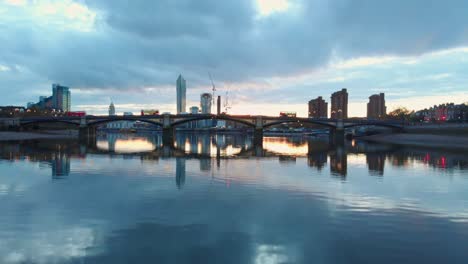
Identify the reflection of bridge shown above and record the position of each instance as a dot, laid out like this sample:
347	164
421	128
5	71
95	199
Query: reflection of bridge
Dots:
88	124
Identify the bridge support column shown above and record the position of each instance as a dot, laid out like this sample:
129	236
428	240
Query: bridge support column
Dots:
258	137
168	132
168	136
258	132
87	136
337	134
87	132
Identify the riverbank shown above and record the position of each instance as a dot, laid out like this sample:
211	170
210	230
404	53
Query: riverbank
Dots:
421	140
18	136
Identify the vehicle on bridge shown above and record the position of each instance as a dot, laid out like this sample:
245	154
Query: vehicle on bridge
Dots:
146	112
76	113
288	114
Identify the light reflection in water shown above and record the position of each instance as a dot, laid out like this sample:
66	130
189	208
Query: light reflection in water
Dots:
327	203
124	143
285	146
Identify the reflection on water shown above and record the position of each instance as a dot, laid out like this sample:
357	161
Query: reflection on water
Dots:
204	147
216	198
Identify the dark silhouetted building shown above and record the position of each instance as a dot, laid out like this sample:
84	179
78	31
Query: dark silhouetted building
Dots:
339	104
376	108
318	108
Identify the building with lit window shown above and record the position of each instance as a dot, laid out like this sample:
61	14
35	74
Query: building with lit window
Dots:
318	108
339	104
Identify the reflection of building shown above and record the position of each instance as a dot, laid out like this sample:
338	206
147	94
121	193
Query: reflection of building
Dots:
339	104
286	159
60	164
181	93
111	109
318	108
376	107
339	162
375	163
317	160
205	164
180	172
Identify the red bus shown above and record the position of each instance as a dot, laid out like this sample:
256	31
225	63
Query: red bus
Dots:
77	113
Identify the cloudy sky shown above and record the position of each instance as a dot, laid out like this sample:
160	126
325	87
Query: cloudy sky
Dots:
271	55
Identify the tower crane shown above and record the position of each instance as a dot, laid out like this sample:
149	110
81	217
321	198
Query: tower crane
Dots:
213	88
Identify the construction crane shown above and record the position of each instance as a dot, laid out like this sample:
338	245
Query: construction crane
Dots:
226	105
213	88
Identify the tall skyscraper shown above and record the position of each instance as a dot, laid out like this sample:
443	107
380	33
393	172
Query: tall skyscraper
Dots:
318	108
112	109
205	103
61	97
376	108
339	104
181	94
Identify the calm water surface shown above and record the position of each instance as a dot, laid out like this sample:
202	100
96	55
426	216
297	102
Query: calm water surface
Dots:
219	199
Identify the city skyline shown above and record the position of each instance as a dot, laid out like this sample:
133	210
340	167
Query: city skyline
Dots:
416	63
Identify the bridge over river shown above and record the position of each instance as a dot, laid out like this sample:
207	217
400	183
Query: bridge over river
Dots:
257	123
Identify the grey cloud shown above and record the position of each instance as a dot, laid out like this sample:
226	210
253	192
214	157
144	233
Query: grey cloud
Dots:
147	43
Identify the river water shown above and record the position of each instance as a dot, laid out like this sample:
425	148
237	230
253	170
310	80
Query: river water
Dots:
220	199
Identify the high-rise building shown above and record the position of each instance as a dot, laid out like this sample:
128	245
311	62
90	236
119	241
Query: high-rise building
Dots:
112	109
61	97
318	108
194	110
339	104
181	94
205	103
376	108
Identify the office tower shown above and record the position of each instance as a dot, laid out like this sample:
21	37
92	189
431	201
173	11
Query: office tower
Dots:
205	103
339	104
61	97
181	94
376	108
194	110
111	109
318	108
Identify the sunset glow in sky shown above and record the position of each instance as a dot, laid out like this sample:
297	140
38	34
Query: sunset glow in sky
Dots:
271	55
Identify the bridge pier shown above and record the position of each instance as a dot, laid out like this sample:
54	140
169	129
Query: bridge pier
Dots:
258	132
258	137
337	134
168	136
86	132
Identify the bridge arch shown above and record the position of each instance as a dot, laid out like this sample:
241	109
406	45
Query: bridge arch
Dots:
389	125
106	121
213	117
44	121
298	120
